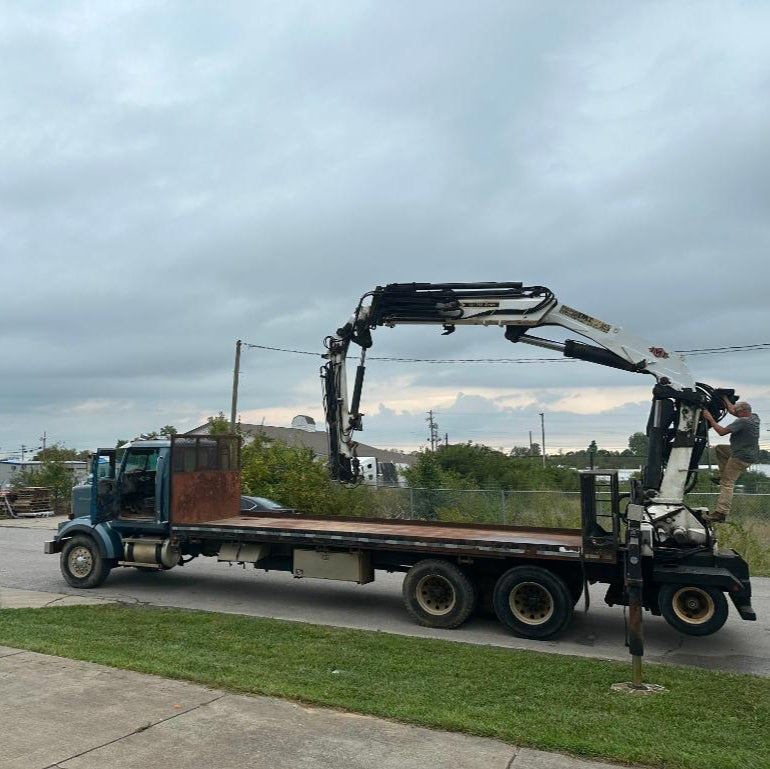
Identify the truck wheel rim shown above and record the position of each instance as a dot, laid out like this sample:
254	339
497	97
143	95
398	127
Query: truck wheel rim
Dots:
80	561
531	603
693	605
435	595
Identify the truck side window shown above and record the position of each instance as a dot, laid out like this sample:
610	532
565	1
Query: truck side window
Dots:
136	461
137	498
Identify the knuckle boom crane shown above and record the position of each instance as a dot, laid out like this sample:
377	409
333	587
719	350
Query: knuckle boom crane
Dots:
676	429
154	505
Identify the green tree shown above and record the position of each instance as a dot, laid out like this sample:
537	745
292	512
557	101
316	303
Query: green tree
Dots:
637	444
61	452
481	467
167	431
525	451
427	478
219	425
295	477
54	475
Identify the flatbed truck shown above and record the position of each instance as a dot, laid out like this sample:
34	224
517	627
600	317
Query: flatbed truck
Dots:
161	503
154	505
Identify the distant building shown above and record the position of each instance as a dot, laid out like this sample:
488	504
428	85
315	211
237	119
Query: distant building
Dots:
378	473
385	467
302	422
10	469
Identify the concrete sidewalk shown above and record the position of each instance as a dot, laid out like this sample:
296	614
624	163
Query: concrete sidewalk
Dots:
13	598
58	713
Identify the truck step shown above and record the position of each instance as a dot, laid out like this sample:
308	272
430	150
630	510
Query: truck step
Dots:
150	566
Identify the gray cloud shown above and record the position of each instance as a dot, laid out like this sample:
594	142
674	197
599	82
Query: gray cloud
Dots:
175	177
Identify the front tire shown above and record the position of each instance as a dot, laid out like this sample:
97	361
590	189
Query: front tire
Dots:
533	602
437	593
82	565
692	610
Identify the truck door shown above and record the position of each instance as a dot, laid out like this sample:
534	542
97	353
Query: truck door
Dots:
104	503
124	484
136	487
205	478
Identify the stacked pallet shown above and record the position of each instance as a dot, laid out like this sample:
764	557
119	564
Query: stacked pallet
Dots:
6	497
31	502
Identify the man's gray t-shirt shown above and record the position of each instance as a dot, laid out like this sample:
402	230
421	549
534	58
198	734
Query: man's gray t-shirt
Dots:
744	438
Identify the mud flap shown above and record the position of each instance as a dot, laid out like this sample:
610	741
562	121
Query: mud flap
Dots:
743	605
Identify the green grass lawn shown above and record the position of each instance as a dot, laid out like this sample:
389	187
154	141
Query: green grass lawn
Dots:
545	701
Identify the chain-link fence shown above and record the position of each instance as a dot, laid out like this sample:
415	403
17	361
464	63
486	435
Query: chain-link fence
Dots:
541	508
748	530
744	505
522	508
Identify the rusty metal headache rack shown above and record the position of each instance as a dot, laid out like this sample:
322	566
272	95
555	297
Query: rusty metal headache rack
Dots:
205	452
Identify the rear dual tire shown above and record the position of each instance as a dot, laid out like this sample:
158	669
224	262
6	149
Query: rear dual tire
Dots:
533	602
438	594
530	601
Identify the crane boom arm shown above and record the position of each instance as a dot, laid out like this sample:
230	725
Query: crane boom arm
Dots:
518	309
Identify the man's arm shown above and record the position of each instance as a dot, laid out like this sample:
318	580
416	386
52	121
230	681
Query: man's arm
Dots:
729	406
713	422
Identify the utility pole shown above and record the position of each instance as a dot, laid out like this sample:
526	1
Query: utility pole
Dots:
530	442
23	450
42	439
446	439
236	370
433	428
542	429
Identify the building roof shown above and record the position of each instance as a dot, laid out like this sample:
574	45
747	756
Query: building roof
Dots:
317	441
36	462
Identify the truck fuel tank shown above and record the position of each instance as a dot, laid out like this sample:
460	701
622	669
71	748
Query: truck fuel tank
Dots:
158	553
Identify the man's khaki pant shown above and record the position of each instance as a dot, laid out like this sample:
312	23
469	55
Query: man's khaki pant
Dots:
729	470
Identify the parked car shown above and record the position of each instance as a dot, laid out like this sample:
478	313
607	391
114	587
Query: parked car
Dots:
263	505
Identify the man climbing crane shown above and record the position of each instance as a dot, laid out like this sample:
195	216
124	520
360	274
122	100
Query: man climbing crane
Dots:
735	458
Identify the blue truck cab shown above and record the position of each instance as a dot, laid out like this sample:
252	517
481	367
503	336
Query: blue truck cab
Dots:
124	516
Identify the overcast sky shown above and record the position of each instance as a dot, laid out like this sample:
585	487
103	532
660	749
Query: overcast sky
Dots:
176	176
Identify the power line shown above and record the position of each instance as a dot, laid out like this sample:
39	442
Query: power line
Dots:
25	449
731	348
695	351
280	349
421	360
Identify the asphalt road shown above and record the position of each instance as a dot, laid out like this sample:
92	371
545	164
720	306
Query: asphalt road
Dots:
742	647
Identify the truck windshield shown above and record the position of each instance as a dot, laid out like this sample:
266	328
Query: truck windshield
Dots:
145	460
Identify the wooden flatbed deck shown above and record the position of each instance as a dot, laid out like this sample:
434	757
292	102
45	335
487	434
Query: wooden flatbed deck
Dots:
391	535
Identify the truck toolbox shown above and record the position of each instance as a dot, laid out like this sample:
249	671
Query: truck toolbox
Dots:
348	567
